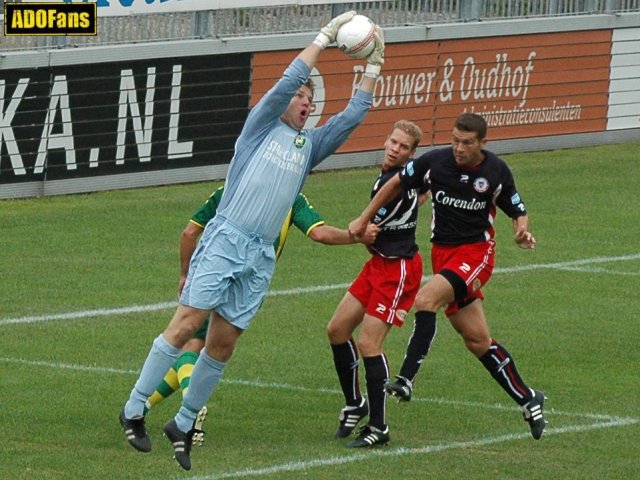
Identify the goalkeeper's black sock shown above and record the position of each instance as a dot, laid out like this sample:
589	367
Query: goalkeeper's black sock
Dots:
345	359
502	368
424	331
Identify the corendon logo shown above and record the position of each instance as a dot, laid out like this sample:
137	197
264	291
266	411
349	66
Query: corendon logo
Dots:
473	204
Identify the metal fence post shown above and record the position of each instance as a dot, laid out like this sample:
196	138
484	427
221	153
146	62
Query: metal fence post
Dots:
337	9
203	26
591	6
470	9
611	6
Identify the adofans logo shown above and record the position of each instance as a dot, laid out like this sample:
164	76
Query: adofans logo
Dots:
52	18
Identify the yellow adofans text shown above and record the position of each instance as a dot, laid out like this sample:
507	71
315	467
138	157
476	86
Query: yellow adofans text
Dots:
50	18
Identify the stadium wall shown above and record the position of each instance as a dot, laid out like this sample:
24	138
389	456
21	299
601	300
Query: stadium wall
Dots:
127	116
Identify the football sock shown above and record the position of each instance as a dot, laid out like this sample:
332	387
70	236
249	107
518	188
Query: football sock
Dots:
424	331
184	366
168	385
376	374
502	368
159	360
176	378
207	373
345	359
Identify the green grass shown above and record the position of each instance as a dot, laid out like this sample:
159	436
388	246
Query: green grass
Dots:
571	325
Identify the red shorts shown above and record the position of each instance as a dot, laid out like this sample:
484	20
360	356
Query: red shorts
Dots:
473	263
387	287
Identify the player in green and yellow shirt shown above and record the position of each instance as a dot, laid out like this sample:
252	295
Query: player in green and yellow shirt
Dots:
302	215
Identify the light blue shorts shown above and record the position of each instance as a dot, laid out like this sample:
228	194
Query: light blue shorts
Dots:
230	272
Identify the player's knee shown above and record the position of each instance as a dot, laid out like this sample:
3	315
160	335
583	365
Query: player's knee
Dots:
478	345
194	345
336	334
425	302
220	350
178	334
369	346
368	349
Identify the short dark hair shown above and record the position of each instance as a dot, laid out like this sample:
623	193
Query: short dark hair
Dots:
472	122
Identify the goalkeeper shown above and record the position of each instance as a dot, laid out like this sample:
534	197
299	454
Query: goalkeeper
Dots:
304	216
233	264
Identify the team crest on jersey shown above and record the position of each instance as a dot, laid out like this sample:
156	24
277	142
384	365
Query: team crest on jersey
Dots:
300	141
481	184
476	285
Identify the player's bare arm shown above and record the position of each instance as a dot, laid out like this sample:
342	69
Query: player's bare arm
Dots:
521	233
330	235
390	190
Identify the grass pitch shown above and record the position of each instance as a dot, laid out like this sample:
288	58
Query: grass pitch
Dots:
89	280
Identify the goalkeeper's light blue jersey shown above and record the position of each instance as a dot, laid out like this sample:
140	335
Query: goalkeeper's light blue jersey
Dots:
272	160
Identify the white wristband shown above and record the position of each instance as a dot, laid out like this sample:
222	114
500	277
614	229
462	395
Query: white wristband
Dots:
372	71
322	41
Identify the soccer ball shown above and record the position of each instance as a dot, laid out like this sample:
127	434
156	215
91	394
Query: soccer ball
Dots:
356	37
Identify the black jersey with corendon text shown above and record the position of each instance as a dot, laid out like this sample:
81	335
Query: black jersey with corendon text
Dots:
398	220
463	200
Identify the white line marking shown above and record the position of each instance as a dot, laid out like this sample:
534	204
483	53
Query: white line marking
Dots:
103	312
299	466
606	421
573	263
298	388
599	270
68	366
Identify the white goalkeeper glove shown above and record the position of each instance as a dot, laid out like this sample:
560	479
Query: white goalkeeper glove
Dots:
375	60
328	33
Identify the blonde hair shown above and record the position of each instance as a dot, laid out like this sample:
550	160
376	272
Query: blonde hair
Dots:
410	129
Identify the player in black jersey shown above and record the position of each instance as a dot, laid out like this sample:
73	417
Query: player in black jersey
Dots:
380	297
467	183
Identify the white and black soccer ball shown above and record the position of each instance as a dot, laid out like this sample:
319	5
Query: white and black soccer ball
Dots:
356	37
